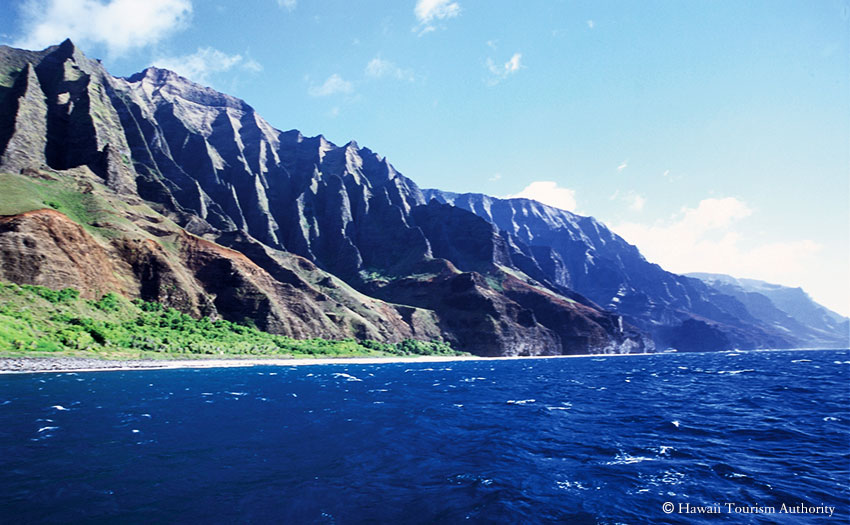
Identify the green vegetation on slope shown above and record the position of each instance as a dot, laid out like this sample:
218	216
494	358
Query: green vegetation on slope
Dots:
38	321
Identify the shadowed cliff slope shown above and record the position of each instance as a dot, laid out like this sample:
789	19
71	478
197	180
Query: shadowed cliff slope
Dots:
194	200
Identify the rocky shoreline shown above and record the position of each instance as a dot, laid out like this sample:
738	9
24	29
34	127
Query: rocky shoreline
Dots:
89	364
24	365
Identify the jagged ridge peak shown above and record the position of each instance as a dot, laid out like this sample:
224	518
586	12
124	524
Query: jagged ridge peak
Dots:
155	80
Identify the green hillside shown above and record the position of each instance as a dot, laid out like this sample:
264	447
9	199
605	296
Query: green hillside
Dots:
39	322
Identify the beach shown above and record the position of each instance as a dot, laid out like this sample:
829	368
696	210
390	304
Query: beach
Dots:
11	365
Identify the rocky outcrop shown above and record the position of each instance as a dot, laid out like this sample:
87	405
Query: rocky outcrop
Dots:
46	248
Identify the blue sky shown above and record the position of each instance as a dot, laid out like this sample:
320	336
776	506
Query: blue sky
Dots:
713	135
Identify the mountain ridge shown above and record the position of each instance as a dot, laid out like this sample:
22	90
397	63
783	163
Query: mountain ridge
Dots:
204	167
207	164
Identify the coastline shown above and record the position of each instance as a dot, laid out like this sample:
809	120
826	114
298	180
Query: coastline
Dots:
29	365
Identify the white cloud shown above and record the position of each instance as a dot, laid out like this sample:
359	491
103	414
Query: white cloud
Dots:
501	72
548	192
622	166
590	24
288	4
430	11
427	11
205	62
708	239
252	65
118	25
633	200
636	202
333	85
495	177
379	68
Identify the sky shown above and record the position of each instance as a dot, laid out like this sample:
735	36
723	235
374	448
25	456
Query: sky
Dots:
715	136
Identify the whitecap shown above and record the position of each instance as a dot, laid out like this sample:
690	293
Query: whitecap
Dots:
567	484
675	424
458	405
237	393
627	459
557	408
146	415
136	431
830	418
801	361
46	429
520	401
348	377
206	393
58	407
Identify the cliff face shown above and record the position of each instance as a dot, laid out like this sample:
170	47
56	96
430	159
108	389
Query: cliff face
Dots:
204	206
581	253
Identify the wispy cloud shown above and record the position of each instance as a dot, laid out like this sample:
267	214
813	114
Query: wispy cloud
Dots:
429	12
201	65
634	201
118	25
548	192
332	86
289	5
622	166
590	24
380	68
671	176
499	72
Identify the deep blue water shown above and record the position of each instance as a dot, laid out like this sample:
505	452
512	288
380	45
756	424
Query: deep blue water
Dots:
584	440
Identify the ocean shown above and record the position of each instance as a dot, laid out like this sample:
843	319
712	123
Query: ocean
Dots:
757	437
